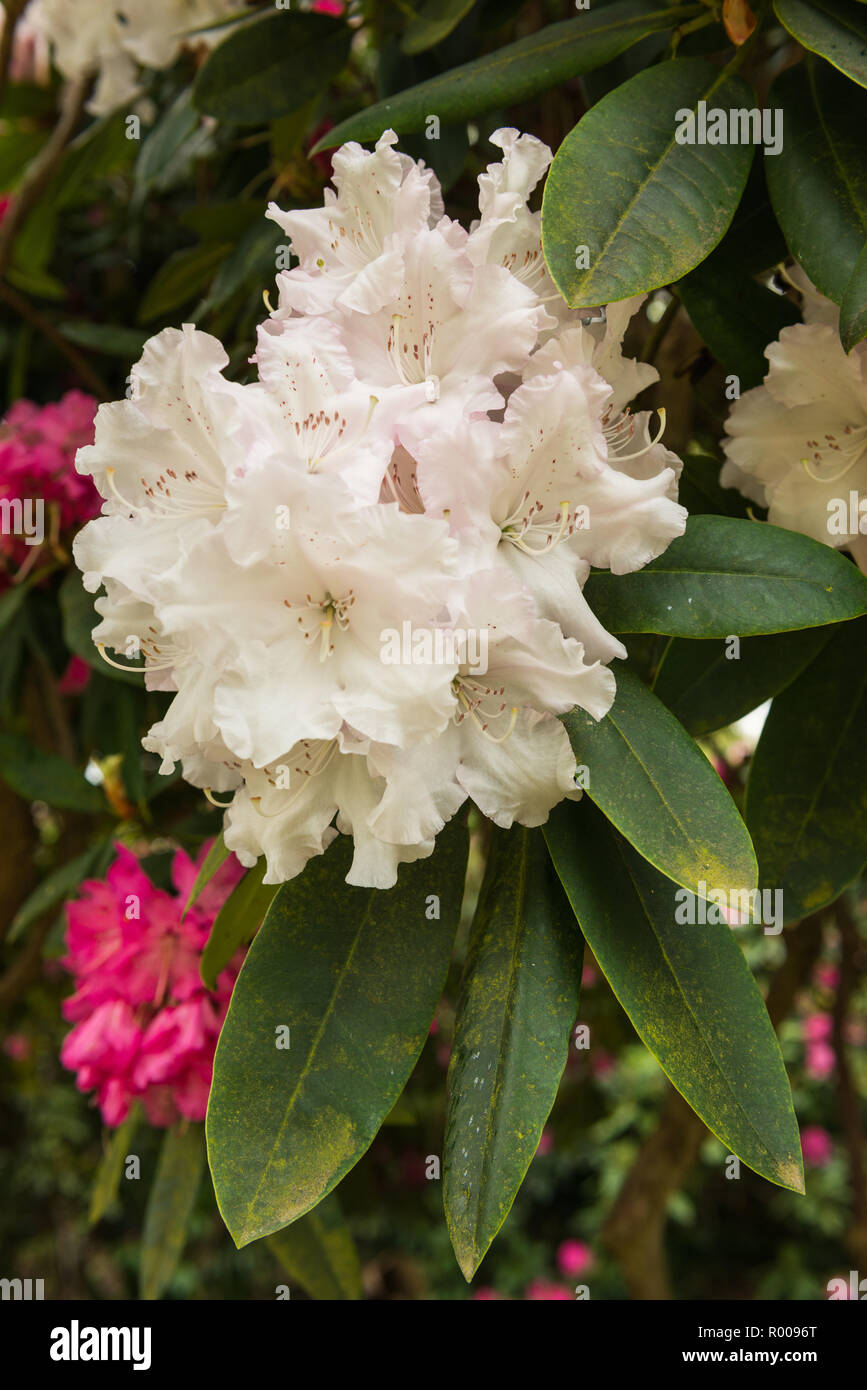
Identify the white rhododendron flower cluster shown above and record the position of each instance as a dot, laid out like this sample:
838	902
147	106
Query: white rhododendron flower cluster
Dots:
797	444
113	38
362	572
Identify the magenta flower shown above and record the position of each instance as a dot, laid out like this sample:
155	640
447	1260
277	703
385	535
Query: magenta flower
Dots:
146	1027
574	1258
540	1291
817	1146
37	465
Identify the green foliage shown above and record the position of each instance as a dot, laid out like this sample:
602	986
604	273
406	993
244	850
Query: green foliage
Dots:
518	1002
354	975
818	181
621	170
657	787
807	792
270	67
512	74
727	576
688	992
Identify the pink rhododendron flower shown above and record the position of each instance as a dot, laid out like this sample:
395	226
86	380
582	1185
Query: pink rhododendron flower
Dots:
41	495
817	1146
145	1025
334	7
574	1258
17	1046
546	1142
75	678
817	1028
819	1061
540	1291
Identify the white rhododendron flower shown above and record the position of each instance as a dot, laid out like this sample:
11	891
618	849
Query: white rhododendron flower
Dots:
361	573
112	38
798	444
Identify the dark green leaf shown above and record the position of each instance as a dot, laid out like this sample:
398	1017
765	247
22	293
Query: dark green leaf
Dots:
39	776
512	74
853	310
216	856
355	975
737	318
700	490
724	577
318	1251
646	208
835	29
272	66
177	282
687	990
236	922
172	130
706	688
818	182
170	1202
655	784
56	887
433	22
108	338
806	799
519	997
110	1170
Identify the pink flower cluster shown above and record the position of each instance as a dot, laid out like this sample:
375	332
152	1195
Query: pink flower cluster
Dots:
37	463
146	1028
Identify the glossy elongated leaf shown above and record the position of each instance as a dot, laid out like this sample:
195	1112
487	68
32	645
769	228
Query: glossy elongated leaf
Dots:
171	131
687	990
627	208
709	684
215	857
110	1170
655	784
236	921
853	310
433	22
272	66
700	491
181	278
354	975
737	318
518	1001
170	1202
107	338
39	776
724	576
806	801
57	886
818	181
514	73
318	1252
835	29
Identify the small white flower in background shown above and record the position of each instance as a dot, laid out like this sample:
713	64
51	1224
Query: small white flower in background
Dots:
798	443
112	38
427	447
